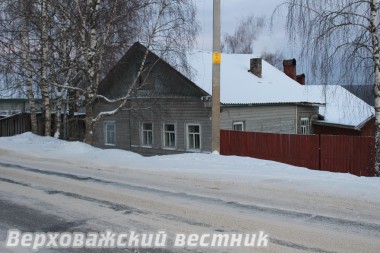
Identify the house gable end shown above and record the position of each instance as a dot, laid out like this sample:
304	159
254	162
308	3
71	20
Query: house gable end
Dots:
158	78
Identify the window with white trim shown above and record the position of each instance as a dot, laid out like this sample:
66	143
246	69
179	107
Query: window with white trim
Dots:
147	134
109	133
194	137
305	126
238	126
169	136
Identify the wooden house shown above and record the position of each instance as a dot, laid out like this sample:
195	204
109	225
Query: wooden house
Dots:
166	115
171	111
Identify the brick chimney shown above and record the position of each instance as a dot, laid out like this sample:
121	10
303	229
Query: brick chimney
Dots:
256	67
290	68
301	79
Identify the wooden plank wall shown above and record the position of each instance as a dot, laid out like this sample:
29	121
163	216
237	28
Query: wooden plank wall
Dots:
21	123
346	154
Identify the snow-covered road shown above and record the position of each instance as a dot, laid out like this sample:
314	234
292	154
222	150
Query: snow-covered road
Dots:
96	190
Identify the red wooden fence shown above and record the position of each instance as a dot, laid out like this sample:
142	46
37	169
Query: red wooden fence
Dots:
347	154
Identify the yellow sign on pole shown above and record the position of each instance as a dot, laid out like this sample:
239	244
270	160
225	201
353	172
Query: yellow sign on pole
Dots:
216	58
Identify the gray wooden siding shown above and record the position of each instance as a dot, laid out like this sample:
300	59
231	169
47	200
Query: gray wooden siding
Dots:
180	111
266	118
310	112
122	128
10	106
183	111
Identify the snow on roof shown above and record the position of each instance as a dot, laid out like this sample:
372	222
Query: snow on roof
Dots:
238	86
342	107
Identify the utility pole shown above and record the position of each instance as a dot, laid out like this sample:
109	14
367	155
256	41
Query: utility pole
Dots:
216	61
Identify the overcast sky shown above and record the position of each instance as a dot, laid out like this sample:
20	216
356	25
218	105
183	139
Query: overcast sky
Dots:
233	11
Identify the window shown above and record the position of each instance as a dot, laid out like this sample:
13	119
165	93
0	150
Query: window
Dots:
169	136
109	133
194	137
305	126
147	134
238	126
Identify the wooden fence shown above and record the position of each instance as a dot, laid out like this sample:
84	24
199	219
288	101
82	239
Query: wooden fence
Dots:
347	154
21	123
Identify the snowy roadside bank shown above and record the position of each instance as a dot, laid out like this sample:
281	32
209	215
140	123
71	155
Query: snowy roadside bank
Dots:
204	166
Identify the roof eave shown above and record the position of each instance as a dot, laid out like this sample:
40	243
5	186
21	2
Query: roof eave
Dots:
329	124
345	126
361	125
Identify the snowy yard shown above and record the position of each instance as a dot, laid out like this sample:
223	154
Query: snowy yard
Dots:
303	210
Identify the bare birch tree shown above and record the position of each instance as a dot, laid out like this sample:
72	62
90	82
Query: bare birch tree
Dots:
103	29
274	59
27	65
44	64
244	36
26	29
18	48
341	40
74	43
92	27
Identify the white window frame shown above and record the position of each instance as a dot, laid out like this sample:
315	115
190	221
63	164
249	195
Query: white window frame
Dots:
236	123
188	138
108	142
165	132
143	132
305	126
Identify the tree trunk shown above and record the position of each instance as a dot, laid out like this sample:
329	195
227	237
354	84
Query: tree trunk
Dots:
89	134
27	65
376	56
32	106
92	70
58	115
65	122
44	80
